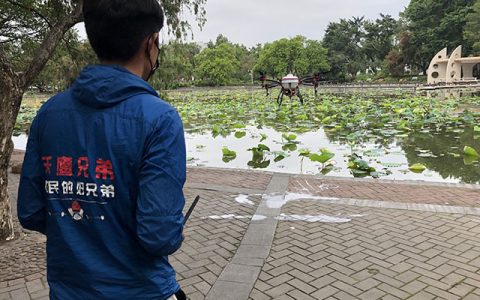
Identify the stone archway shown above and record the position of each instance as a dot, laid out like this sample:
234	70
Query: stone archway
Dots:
438	67
454	66
452	69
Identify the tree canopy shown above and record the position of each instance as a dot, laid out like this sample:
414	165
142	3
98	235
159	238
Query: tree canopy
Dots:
297	55
177	65
433	25
472	27
382	46
216	65
343	41
379	40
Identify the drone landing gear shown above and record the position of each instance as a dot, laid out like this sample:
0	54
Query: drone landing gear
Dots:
289	94
299	95
280	98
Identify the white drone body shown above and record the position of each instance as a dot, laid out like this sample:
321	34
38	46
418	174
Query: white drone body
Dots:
290	82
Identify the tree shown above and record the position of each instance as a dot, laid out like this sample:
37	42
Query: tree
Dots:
379	40
177	64
276	58
394	63
433	25
344	43
314	56
66	62
216	65
246	59
13	84
297	55
41	25
472	28
221	39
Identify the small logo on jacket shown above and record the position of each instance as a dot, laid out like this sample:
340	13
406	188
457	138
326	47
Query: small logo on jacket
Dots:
76	211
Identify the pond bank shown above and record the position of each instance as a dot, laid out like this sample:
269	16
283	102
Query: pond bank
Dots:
17	160
400	227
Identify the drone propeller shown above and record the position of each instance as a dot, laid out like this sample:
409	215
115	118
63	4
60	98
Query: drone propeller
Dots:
267	83
262	76
271	84
313	79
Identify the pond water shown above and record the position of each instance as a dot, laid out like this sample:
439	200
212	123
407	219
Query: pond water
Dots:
205	151
363	135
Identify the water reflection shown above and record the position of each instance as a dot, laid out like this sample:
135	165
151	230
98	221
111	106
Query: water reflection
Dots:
380	128
445	153
451	93
440	150
390	132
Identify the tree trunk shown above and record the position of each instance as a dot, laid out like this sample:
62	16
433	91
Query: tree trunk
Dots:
6	221
12	87
10	99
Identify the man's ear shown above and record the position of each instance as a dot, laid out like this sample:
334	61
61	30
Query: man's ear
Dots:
148	43
153	41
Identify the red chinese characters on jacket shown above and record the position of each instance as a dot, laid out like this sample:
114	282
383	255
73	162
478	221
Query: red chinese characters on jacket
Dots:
72	176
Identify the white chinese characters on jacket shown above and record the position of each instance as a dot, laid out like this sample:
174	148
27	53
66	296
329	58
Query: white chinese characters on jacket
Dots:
77	186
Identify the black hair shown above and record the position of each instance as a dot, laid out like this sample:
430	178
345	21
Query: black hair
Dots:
116	28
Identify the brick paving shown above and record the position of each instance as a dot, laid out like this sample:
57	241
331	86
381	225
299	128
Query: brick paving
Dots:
231	178
25	255
381	253
210	243
403	192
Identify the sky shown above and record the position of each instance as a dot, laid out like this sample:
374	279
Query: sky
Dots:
250	22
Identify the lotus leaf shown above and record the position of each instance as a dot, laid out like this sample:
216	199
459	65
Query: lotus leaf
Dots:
417	168
470	151
240	134
228	155
264	137
289	137
323	157
304	152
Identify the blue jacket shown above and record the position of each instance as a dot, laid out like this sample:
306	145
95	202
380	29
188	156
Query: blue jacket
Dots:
102	177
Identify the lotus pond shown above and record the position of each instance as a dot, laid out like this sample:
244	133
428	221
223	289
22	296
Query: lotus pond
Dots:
400	136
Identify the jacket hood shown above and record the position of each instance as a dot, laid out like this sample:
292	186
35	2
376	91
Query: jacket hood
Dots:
102	86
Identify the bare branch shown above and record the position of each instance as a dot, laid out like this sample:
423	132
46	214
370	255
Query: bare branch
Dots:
51	41
8	40
70	52
15	34
34	11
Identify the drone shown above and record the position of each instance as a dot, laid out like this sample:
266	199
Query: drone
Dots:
290	85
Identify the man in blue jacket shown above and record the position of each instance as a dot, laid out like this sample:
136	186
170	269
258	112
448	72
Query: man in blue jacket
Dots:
105	167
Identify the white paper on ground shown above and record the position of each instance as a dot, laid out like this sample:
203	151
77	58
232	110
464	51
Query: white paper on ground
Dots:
310	218
243	199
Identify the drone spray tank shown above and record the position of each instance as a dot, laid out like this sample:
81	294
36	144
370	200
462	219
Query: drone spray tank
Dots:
290	82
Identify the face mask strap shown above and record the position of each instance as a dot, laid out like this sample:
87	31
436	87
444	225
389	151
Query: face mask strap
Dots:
153	68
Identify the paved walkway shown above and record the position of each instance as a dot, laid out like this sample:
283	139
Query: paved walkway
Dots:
259	235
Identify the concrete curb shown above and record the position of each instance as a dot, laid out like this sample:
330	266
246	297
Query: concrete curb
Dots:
239	276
